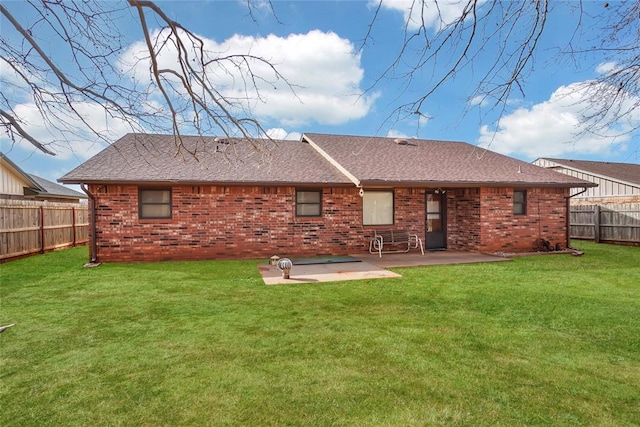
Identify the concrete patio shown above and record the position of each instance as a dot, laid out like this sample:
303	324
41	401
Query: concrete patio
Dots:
368	266
415	259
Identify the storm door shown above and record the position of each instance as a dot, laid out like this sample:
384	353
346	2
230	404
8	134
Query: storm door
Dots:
435	221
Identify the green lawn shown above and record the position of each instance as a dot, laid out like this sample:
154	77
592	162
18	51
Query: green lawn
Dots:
542	340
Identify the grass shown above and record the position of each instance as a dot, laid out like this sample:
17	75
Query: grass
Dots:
546	340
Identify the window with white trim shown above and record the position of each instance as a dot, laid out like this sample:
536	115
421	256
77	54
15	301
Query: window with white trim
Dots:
377	207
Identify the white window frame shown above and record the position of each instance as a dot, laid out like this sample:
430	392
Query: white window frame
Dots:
378	207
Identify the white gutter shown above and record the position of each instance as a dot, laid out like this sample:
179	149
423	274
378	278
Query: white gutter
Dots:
331	160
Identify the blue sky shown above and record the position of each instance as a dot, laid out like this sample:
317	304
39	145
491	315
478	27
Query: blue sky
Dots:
317	45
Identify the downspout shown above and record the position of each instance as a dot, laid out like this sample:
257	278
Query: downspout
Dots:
568	238
93	246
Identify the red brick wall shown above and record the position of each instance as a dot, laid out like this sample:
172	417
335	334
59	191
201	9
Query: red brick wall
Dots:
502	231
236	222
257	222
463	219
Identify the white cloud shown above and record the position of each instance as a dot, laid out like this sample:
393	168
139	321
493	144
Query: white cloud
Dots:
69	136
606	67
64	127
279	133
430	13
13	82
478	101
393	133
560	126
424	119
323	69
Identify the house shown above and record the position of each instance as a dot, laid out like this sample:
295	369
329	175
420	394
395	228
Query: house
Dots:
37	215
617	183
152	198
609	212
17	184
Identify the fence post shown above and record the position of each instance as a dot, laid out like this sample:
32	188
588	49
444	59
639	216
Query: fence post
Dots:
596	223
73	224
42	243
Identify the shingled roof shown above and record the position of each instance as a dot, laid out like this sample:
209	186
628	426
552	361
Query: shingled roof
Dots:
151	158
51	189
624	172
315	160
387	161
38	186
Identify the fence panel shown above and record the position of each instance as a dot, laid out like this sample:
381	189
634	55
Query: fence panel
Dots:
29	227
582	222
611	223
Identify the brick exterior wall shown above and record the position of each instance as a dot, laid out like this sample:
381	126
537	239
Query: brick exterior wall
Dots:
463	219
210	222
502	231
238	222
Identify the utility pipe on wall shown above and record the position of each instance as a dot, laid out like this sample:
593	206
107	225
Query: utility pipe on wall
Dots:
93	246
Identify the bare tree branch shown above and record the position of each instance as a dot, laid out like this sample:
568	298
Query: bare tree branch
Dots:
89	32
436	50
14	126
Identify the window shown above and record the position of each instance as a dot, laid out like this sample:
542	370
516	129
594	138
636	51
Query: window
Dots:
520	202
434	213
377	208
308	203
154	204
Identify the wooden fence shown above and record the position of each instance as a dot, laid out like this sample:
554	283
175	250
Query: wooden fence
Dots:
30	227
610	223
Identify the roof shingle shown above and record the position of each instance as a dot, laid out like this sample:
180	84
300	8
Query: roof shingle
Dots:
380	160
52	189
628	172
370	161
156	158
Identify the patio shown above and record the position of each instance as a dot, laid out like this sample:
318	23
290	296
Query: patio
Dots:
368	266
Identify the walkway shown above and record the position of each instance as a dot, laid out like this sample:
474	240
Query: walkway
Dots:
370	266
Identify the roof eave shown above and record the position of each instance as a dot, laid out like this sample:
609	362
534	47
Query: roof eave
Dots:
561	164
473	184
18	171
364	183
214	183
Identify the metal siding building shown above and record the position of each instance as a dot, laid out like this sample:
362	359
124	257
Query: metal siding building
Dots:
617	182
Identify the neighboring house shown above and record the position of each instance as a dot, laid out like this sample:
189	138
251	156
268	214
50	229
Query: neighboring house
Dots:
17	184
609	212
617	183
325	194
37	215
